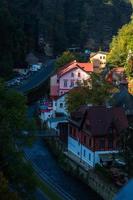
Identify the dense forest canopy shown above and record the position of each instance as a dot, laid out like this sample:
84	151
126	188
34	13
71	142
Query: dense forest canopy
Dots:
62	23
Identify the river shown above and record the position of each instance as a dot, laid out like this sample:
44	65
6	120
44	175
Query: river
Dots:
40	155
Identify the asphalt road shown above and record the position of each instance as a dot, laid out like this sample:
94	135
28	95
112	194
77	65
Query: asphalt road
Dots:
38	77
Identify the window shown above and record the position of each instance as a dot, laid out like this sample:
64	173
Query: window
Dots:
78	74
72	83
72	74
100	57
57	80
89	156
84	153
101	143
65	83
61	105
104	57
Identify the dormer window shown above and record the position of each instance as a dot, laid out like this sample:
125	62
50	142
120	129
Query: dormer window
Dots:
78	74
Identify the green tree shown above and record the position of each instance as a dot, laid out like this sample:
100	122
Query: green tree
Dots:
13	119
65	58
96	92
126	149
129	66
76	97
121	45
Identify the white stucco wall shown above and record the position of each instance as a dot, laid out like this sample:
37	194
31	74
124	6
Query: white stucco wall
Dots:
86	155
44	116
81	151
101	57
67	76
57	105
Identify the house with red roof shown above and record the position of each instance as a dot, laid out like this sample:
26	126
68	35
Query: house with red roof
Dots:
93	133
68	77
116	76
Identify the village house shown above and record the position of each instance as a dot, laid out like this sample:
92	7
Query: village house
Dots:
116	76
98	59
93	133
59	105
45	110
68	77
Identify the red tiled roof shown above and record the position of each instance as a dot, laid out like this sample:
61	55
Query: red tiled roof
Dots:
116	70
87	67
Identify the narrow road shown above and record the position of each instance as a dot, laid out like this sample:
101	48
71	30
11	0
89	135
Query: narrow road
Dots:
38	78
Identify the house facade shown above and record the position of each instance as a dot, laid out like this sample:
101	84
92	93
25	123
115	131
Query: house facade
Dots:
93	134
59	105
45	110
116	76
98	59
68	77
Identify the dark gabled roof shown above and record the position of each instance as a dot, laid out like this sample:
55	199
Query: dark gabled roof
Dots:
98	119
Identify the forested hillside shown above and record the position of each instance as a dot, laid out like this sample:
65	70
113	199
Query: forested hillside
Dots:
90	23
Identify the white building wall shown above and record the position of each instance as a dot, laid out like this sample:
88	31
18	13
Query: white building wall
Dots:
59	105
85	154
44	116
52	125
101	57
81	151
69	78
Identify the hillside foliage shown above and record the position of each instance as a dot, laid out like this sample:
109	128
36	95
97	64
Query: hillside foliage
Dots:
62	23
